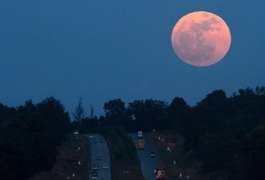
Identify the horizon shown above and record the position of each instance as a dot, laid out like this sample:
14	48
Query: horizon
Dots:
104	50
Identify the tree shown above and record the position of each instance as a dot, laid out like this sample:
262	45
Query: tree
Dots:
79	114
29	136
211	113
116	113
249	161
148	114
178	112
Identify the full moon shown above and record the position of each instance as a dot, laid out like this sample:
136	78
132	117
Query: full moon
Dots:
201	38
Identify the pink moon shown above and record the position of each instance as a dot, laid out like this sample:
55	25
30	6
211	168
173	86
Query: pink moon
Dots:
201	38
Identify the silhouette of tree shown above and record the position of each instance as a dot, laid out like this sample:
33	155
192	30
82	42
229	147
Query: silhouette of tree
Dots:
116	113
29	136
249	159
79	114
178	112
148	114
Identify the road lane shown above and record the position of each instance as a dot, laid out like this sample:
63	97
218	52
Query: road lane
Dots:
148	164
100	156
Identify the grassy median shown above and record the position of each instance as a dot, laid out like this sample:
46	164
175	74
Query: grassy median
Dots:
124	159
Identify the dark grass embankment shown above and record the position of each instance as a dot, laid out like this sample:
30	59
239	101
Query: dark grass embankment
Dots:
124	159
185	166
67	161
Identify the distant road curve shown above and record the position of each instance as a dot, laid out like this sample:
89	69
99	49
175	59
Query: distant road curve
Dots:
100	155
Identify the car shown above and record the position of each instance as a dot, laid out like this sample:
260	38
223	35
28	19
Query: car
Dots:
105	166
152	154
90	137
95	167
94	175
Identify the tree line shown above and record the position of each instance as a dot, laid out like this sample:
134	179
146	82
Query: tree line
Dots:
29	135
226	134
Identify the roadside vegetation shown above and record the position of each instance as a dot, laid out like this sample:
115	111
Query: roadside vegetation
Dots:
72	161
29	135
124	160
220	137
175	158
224	136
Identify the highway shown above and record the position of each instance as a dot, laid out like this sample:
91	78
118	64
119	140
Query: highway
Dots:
148	164
100	156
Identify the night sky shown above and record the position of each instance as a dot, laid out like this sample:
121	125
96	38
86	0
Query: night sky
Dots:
100	50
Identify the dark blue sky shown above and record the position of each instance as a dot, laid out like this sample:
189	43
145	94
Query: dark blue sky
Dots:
105	49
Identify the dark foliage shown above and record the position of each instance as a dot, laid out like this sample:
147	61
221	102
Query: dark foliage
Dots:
225	133
29	135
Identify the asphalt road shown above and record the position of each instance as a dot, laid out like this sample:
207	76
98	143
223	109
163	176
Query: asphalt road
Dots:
148	164
100	155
